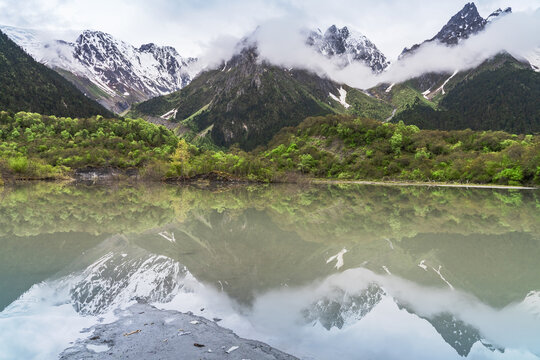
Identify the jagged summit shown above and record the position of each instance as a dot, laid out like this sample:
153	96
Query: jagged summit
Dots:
461	26
348	46
150	70
150	47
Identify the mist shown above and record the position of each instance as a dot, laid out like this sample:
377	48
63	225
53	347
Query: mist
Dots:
282	42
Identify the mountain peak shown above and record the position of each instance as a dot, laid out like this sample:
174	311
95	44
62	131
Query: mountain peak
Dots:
470	7
462	25
332	29
160	51
121	73
147	47
348	46
93	34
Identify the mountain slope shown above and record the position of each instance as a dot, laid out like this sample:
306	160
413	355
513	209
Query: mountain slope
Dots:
502	94
109	70
348	47
246	101
430	88
26	85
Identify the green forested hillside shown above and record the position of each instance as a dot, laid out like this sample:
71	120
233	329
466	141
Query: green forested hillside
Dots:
344	147
505	98
245	102
26	85
36	146
330	147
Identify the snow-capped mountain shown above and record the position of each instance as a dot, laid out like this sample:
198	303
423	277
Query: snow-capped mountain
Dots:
461	26
349	46
137	275
150	69
344	308
107	69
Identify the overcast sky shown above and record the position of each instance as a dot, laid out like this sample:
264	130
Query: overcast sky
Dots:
192	25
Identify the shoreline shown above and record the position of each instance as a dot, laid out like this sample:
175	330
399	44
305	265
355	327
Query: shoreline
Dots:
146	332
201	180
188	181
422	184
109	176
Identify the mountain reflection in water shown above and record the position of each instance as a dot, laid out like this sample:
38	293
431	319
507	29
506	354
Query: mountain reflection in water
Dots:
321	272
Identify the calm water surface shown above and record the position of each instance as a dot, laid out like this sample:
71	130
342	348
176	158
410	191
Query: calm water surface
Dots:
322	272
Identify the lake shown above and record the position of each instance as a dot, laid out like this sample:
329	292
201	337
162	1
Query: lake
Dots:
321	272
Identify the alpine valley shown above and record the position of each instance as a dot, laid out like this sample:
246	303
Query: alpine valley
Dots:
249	106
229	114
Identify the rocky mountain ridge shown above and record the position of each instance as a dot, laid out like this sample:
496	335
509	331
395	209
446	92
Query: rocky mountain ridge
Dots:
461	26
109	70
347	47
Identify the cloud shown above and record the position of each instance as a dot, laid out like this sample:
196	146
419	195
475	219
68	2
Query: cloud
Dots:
517	34
219	50
282	42
192	25
211	29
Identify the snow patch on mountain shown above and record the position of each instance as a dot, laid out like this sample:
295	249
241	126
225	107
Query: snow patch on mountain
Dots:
342	100
441	89
169	114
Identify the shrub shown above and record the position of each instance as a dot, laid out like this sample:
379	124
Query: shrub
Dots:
511	176
18	165
306	163
156	170
396	142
